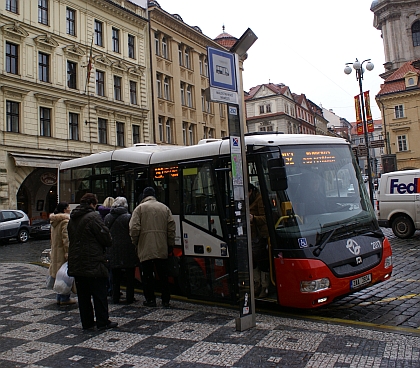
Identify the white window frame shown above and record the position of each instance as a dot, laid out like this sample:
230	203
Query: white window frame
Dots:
399	111
166	89
402	143
164	48
189	96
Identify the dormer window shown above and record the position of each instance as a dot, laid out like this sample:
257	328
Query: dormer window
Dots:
411	80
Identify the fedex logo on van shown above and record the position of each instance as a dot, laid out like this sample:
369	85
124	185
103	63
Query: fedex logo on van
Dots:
403	188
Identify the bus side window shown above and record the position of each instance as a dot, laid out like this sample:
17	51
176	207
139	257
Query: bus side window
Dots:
199	198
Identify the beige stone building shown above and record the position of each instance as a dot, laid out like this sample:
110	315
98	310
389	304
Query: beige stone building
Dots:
399	96
274	108
399	100
182	114
54	103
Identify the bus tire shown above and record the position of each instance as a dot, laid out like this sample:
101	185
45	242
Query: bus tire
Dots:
193	281
403	227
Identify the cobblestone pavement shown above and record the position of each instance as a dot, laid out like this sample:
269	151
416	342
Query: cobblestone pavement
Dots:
35	333
395	302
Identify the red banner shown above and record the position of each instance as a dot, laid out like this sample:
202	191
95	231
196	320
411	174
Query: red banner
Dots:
370	126
359	120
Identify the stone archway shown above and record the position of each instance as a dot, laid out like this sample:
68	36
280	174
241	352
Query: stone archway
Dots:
37	195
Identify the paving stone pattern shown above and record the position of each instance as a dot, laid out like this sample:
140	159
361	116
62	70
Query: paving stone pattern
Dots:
35	333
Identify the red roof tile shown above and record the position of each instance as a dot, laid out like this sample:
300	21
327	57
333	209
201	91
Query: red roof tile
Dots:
225	39
278	89
395	82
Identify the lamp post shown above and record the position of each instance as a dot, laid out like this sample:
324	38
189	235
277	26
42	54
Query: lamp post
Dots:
358	67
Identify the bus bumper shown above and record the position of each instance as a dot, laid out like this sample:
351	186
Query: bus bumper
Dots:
291	272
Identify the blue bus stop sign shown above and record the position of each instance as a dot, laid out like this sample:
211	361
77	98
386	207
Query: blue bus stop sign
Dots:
222	72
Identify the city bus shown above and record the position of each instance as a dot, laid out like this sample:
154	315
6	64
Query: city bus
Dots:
324	240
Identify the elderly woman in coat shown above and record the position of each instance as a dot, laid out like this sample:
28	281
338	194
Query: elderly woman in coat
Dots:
60	245
122	255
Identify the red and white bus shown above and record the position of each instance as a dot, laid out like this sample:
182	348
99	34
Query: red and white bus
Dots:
324	239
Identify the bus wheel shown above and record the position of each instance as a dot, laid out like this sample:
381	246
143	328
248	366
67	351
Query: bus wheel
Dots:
403	227
193	281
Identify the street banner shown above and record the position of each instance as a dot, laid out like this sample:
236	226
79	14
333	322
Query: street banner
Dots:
370	126
359	120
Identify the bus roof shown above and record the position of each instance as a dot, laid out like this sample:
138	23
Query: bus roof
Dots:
145	154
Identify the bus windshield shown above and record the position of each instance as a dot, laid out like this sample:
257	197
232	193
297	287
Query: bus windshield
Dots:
325	190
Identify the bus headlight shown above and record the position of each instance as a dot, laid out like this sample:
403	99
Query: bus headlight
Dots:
388	262
315	285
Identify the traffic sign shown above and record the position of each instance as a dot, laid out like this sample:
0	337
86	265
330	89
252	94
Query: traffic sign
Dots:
221	69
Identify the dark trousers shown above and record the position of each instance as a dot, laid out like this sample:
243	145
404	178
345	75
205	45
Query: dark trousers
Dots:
95	287
149	281
116	283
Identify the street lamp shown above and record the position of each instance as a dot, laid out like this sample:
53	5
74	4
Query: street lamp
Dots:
358	67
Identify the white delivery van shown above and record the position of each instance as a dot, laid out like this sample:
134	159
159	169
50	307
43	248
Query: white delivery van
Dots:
398	202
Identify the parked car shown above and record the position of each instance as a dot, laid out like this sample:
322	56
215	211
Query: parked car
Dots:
40	228
14	224
350	191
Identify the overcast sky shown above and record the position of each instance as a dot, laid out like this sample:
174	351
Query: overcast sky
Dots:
301	43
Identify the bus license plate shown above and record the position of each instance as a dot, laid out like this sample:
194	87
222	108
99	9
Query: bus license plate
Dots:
361	281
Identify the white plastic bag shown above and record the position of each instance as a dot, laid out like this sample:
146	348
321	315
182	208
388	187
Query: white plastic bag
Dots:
63	282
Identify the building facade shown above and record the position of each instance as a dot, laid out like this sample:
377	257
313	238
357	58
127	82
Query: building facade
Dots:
398	98
321	123
399	23
399	101
183	113
74	82
274	108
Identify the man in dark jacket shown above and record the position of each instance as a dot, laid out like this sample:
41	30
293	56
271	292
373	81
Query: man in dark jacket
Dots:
89	237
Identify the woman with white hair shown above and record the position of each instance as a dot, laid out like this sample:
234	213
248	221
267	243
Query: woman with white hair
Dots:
122	254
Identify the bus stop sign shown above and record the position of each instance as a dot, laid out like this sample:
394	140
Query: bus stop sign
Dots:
222	72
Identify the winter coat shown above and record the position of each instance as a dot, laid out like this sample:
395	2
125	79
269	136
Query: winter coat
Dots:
259	223
103	211
122	254
152	229
89	237
59	241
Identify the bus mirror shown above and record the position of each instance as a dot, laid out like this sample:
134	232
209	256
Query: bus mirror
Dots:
277	174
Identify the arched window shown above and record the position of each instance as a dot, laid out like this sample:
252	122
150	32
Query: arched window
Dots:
415	31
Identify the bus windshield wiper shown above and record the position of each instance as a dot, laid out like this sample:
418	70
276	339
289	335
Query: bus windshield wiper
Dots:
320	247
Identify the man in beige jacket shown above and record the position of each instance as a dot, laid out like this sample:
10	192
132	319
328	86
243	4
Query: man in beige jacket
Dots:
152	231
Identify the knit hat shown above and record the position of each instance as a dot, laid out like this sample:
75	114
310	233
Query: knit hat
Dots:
149	191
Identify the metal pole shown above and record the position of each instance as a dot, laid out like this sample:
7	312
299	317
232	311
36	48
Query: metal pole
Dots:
359	73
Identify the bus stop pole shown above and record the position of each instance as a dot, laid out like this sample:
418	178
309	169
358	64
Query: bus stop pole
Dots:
242	237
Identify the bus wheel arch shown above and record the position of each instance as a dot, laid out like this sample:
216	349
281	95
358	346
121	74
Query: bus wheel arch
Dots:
191	278
403	226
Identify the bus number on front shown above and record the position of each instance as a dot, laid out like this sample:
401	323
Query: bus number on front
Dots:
376	244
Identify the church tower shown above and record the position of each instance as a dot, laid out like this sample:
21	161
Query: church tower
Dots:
399	22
